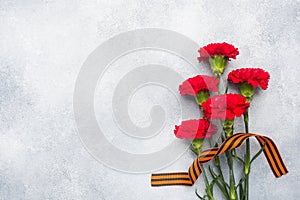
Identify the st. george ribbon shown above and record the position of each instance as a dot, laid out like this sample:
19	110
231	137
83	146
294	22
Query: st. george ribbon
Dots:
189	178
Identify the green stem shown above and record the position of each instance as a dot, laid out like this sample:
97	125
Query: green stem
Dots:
218	77
232	189
246	189
208	189
205	176
226	89
220	171
233	193
209	192
247	156
221	187
218	165
246	120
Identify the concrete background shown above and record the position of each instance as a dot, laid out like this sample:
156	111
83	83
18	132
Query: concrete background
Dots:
43	45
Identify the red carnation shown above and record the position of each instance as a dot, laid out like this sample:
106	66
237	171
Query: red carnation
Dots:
225	106
198	83
226	50
195	129
253	76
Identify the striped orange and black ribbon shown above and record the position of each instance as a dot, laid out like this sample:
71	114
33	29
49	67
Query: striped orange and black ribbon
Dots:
189	178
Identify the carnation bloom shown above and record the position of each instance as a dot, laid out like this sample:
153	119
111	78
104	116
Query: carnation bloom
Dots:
198	83
253	76
195	129
218	54
224	49
225	107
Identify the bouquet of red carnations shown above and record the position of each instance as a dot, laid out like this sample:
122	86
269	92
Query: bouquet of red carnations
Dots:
221	107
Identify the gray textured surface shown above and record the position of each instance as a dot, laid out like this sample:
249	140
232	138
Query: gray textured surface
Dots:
44	43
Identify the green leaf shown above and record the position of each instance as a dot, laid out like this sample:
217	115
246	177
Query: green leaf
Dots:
216	178
214	175
236	156
258	153
198	195
242	195
240	182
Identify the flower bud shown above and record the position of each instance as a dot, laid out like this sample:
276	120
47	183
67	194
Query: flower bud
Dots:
197	145
228	127
217	64
202	96
246	90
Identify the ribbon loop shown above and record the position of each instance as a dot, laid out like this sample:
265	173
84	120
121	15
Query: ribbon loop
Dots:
235	141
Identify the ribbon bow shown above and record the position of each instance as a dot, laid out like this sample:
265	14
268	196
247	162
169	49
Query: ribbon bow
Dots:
189	178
